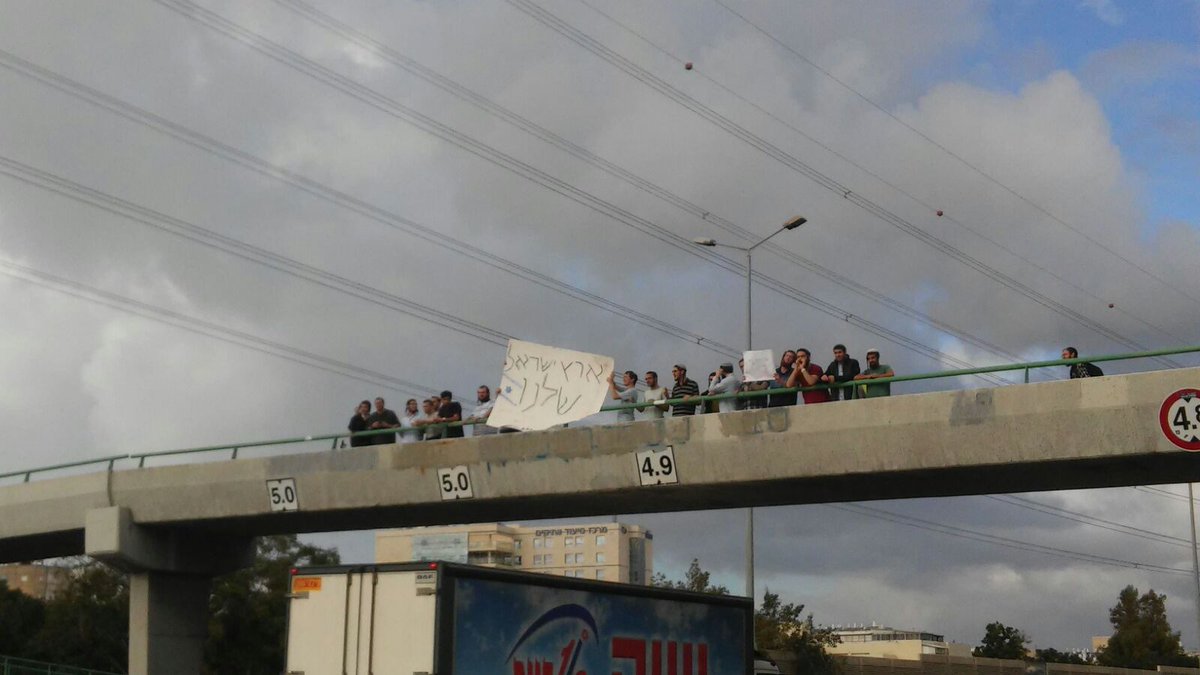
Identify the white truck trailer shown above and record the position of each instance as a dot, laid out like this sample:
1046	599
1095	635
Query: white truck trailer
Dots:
452	619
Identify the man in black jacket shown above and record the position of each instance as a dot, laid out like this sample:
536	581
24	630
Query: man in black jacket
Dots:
1083	369
841	369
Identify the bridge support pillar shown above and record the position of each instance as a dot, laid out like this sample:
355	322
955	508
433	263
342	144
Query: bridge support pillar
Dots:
170	577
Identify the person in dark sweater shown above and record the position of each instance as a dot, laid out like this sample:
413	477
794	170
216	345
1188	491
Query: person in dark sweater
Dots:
450	411
359	423
841	369
1083	369
382	418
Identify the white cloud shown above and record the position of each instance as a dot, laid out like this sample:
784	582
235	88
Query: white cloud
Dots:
1106	10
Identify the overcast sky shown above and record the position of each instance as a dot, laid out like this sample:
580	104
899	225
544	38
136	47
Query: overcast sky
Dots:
232	220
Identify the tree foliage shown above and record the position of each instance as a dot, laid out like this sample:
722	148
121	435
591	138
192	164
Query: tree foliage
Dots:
21	617
1142	636
248	609
696	580
1001	642
1051	655
777	625
87	623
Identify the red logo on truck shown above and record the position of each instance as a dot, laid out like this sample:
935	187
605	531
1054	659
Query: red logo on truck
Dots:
644	657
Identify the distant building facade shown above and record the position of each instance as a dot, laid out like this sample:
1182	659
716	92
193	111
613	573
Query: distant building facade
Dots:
604	552
35	580
889	643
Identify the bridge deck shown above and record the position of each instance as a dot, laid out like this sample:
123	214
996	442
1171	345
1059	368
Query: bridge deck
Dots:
1087	433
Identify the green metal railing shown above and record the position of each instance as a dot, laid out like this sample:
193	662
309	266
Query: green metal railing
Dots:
11	665
236	448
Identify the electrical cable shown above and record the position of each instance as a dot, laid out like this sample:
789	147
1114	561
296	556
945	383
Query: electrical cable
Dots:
975	535
900	190
962	160
343	200
581	39
207	328
530	127
502	160
1091	520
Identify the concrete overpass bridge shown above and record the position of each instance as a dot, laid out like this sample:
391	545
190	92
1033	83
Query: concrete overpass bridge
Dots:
176	527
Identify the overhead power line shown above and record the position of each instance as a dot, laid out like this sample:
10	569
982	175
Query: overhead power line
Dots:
585	41
957	157
391	107
343	200
1085	519
975	535
983	235
208	328
530	127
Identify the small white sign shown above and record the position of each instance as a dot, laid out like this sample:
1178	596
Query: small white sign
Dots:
455	483
282	494
760	365
657	467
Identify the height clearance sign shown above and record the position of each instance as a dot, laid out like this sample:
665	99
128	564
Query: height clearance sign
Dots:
1179	418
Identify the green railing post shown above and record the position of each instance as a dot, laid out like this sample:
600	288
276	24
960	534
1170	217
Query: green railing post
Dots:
235	450
1026	376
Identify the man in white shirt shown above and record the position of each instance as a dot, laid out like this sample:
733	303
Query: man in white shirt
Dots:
409	431
723	382
481	412
654	393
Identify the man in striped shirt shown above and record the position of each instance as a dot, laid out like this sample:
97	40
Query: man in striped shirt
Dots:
684	388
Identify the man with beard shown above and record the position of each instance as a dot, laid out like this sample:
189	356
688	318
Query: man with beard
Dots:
382	418
481	412
841	369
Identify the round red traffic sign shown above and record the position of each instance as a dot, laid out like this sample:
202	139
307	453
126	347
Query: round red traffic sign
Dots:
1179	418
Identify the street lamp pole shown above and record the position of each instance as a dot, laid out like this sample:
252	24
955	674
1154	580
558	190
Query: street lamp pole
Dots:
749	251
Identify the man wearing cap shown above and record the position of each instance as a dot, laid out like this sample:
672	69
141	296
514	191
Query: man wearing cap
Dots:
841	369
723	382
875	370
450	411
627	393
684	388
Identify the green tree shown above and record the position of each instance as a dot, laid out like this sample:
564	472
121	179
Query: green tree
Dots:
776	625
21	618
248	608
1001	642
87	624
1051	655
1142	636
696	580
783	626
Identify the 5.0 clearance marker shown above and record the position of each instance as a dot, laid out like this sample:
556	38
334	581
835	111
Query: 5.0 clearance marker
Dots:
1179	418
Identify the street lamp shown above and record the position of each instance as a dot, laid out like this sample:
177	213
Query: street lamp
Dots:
749	251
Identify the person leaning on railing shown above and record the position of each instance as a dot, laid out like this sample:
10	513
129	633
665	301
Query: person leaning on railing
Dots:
1078	370
875	370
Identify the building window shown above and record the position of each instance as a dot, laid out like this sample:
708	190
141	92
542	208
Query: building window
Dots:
537	542
517	544
517	559
549	542
600	575
600	540
600	558
579	541
569	541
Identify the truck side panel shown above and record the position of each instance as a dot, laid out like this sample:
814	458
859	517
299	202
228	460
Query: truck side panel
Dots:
404	623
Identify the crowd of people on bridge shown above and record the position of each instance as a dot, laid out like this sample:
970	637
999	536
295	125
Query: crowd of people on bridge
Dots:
844	378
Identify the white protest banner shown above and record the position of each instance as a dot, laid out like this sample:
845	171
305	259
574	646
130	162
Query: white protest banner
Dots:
760	365
546	386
